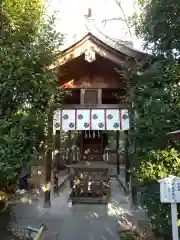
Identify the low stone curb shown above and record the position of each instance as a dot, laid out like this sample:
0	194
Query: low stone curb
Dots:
60	185
65	178
121	183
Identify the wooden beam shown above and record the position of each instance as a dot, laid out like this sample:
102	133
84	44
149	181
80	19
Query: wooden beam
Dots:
98	106
99	96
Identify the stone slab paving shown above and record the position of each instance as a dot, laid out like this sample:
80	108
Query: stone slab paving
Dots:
82	222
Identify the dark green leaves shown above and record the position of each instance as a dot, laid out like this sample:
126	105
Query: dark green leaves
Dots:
158	24
27	47
157	101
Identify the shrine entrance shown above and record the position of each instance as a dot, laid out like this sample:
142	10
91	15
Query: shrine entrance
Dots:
90	178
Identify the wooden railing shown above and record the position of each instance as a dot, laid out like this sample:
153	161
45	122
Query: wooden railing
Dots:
69	151
69	155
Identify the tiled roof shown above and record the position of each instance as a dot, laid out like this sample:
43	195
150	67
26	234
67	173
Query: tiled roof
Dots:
125	47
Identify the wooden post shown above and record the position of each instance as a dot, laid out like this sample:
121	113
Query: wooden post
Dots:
117	152
56	160
102	144
48	162
132	185
69	148
127	161
82	145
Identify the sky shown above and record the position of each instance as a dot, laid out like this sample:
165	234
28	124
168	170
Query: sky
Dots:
70	17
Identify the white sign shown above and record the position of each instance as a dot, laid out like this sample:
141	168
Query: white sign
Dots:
170	189
91	119
170	193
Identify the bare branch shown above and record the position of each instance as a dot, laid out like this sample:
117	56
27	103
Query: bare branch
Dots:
118	2
113	19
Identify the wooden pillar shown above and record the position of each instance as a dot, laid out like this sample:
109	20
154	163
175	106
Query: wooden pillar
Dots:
48	162
82	145
82	96
102	144
69	148
56	160
57	142
117	152
127	161
133	186
99	96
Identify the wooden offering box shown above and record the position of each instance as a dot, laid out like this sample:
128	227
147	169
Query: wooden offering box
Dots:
90	182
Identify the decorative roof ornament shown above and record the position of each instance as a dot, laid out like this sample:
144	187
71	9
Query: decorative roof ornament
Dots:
89	14
90	55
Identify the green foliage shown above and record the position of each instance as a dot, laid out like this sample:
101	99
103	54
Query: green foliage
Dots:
28	45
160	164
159	213
157	103
158	24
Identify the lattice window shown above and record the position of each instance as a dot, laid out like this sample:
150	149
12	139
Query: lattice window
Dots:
91	96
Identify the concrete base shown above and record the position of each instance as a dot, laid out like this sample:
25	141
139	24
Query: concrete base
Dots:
47	204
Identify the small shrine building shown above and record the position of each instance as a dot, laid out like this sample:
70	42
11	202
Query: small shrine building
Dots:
95	72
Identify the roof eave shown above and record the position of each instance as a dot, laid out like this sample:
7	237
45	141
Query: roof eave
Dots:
125	51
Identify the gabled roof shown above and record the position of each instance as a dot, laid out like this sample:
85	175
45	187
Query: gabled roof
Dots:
107	48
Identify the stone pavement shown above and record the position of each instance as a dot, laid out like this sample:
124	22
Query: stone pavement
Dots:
82	222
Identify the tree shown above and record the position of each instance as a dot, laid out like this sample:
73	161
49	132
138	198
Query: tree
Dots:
28	45
158	25
157	101
123	18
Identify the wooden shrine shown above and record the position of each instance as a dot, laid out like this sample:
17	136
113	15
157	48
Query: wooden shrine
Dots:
92	70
